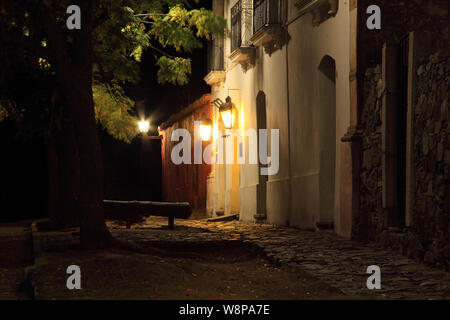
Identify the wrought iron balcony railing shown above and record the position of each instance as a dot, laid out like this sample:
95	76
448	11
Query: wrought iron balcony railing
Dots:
265	12
236	26
215	55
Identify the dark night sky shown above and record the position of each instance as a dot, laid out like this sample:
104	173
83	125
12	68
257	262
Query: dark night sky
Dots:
159	101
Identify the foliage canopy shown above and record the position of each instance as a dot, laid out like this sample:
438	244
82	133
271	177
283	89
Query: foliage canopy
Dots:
122	31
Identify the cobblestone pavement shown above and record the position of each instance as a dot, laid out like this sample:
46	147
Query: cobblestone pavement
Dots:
338	262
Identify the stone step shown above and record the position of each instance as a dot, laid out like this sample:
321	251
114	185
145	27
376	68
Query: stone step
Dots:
229	217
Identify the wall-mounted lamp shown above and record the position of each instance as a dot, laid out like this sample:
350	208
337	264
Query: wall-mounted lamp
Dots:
205	128
227	112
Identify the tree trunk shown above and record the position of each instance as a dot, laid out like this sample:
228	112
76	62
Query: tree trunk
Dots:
73	63
53	181
63	178
93	230
69	177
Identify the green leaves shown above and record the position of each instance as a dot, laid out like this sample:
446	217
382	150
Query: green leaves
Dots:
129	32
179	36
113	112
122	31
207	23
181	29
125	32
177	28
3	113
174	70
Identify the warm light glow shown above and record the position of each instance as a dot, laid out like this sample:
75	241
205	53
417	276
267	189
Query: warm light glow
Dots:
228	113
228	117
216	133
205	128
144	126
205	132
241	118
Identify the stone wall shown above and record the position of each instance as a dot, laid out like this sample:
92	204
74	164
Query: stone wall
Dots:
398	18
371	173
427	238
432	157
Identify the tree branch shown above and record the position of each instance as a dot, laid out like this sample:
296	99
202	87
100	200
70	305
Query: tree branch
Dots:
151	14
146	22
161	51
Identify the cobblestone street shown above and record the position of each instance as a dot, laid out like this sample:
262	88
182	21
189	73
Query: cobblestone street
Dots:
335	261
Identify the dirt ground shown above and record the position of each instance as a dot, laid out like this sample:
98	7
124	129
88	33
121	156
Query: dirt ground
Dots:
15	254
220	273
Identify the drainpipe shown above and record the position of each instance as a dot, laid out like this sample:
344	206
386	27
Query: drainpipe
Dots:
288	112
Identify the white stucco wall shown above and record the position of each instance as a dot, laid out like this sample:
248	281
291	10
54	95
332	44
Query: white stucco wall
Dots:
306	49
289	78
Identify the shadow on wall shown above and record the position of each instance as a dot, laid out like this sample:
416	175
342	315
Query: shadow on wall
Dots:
327	117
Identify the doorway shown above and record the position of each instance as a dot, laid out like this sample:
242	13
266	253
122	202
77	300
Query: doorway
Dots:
327	141
261	190
400	214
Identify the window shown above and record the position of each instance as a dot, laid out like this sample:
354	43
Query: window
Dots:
215	55
268	30
303	4
259	14
236	27
264	12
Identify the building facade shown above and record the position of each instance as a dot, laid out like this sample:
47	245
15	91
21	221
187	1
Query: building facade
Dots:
400	141
185	182
285	65
362	115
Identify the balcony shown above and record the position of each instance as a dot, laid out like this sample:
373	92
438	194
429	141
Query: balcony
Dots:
243	55
216	71
320	9
267	29
265	12
242	51
236	26
215	55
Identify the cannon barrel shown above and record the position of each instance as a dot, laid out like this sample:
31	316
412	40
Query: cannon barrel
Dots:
172	210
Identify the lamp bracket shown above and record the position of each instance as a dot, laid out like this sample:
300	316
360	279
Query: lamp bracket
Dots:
217	103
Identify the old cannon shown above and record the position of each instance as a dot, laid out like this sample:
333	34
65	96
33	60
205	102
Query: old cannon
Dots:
171	210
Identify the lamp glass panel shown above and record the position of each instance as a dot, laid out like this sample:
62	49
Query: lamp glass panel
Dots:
228	118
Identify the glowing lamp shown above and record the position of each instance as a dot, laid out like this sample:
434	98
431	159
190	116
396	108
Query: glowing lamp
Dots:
144	126
205	128
228	113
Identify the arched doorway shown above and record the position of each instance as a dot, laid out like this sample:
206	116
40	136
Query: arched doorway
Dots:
261	123
327	141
